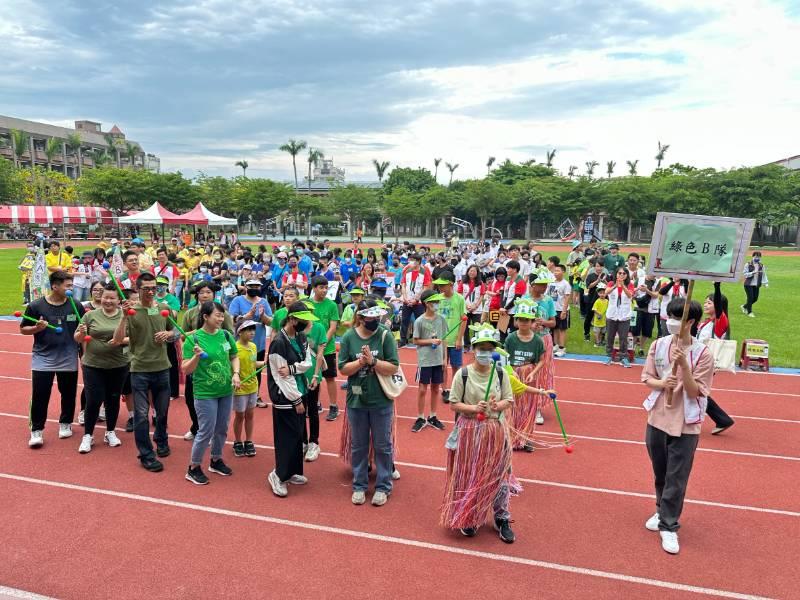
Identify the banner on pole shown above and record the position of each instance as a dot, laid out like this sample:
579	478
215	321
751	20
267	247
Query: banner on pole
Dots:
699	247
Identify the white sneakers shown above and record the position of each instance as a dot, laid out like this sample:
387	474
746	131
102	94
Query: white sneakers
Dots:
561	352
188	436
358	498
539	418
380	498
81	417
278	487
64	430
312	452
395	474
669	539
37	439
298	480
111	439
669	542
101	416
86	444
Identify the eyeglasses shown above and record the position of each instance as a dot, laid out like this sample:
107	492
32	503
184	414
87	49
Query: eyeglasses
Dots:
147	290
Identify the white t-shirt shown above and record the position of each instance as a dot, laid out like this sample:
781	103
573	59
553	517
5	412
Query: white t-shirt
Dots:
560	292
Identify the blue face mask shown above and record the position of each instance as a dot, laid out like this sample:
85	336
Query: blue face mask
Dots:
483	357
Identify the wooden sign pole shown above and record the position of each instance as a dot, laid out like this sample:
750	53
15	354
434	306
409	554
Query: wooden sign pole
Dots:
677	339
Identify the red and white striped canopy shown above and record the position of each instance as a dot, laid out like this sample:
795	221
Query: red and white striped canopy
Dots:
43	215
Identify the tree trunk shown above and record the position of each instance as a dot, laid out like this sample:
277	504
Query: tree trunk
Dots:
508	230
528	227
427	228
630	229
483	228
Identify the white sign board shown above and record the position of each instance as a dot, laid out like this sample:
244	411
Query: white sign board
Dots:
699	247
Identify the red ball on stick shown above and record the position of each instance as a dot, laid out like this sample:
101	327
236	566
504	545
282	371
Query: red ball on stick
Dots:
568	449
131	312
18	313
87	338
165	313
481	416
464	318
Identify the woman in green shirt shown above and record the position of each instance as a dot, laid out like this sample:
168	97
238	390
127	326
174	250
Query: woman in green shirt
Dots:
214	377
105	367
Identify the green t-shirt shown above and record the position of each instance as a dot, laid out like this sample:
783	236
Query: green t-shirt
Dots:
522	353
327	311
213	376
300	378
426	329
315	336
99	353
348	314
278	318
363	388
171	301
189	320
452	309
146	355
247	366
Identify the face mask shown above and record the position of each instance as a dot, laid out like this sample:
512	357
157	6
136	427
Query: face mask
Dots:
756	260
161	290
347	260
371	325
300	326
674	326
483	357
203	269
396	264
252	292
435	308
217	257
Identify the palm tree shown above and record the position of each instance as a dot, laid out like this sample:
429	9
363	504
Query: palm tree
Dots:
662	150
19	144
51	149
294	147
572	169
451	168
132	151
590	166
100	156
112	146
436	162
489	164
530	162
550	156
380	167
314	156
610	167
244	164
74	143
632	166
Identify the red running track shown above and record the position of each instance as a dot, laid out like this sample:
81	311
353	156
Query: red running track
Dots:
79	526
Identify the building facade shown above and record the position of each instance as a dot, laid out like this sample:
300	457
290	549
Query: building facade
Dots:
792	163
69	151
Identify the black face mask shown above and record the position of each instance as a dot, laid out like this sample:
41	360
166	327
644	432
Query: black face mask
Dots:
252	292
371	325
300	326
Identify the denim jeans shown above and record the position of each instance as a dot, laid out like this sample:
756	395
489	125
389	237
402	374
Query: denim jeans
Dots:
213	416
143	384
377	424
80	294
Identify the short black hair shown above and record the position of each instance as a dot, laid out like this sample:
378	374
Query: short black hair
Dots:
318	280
636	254
513	264
58	277
554	259
560	266
675	310
144	277
128	253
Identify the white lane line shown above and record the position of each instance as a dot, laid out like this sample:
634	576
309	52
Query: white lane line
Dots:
583	488
528	562
713	388
7	592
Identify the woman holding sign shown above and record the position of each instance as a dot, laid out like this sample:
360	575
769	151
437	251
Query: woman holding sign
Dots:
679	371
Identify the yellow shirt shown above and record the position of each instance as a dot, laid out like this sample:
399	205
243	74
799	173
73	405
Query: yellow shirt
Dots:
600	306
247	366
57	261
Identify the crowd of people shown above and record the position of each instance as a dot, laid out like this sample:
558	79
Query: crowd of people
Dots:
217	315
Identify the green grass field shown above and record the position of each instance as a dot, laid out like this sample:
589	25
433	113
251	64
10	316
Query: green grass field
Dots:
772	322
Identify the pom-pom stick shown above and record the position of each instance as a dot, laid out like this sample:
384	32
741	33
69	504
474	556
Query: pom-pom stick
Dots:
31	319
168	315
567	446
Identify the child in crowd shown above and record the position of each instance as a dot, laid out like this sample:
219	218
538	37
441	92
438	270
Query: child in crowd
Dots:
599	320
429	333
246	395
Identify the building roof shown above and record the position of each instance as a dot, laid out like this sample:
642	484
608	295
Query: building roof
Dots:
115	129
324	185
47	131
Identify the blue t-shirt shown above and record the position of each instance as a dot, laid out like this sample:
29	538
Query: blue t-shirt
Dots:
398	274
278	271
347	270
241	305
305	264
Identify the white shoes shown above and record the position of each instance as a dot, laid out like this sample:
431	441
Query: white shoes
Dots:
395	474
380	498
359	498
188	436
111	439
298	480
312	452
539	418
86	444
652	523
560	352
278	487
64	431
751	315
669	542
81	418
101	416
37	439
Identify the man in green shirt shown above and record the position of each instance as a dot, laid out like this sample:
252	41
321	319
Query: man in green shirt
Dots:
327	312
148	334
613	260
453	308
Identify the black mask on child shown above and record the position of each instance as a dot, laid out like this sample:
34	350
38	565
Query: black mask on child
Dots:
371	325
252	292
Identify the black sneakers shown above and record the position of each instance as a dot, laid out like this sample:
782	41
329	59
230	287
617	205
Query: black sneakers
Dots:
528	447
418	424
333	412
129	425
433	421
469	531
504	529
153	465
249	448
163	451
196	476
446	396
219	467
238	449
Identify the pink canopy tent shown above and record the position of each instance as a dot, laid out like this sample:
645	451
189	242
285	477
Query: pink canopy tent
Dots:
209	218
57	215
158	215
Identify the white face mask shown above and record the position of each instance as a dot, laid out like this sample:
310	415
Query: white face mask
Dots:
674	326
483	357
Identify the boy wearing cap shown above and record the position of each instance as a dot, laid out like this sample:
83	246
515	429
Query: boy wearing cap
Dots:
453	308
289	358
599	320
327	312
246	395
415	279
429	331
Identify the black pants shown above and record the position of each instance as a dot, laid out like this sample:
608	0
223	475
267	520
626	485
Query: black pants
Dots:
188	394
311	401
471	320
405	319
42	384
587	319
672	459
716	414
614	328
102	386
174	381
260	357
751	291
287	432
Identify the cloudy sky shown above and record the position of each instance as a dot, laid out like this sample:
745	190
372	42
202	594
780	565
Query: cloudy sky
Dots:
203	83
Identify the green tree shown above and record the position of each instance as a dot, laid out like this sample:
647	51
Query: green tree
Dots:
452	169
536	196
550	156
509	173
436	162
261	199
173	190
131	152
244	164
489	164
10	186
217	193
294	147
590	167
414	180
74	144
356	204
571	172
380	168
662	150
632	166
51	150
487	199
19	145
401	205
610	168
119	190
